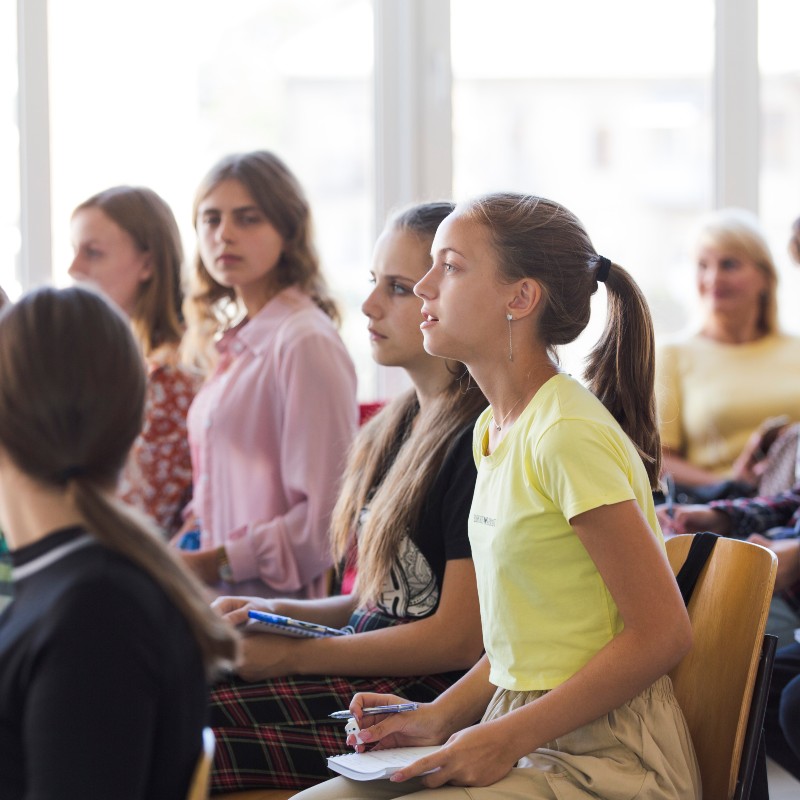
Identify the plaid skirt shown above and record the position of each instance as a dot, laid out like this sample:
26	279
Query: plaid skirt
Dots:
277	733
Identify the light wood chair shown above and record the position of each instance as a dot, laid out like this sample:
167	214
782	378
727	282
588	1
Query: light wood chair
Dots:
201	780
714	683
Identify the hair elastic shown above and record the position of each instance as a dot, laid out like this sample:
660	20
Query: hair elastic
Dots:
73	471
603	268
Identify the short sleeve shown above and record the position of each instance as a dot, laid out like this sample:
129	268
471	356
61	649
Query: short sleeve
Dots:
582	465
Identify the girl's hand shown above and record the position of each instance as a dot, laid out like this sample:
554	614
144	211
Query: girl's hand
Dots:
692	518
235	609
408	728
475	756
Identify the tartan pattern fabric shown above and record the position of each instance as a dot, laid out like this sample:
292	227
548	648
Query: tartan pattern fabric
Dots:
277	733
777	514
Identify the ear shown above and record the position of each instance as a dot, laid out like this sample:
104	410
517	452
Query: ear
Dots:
146	268
527	298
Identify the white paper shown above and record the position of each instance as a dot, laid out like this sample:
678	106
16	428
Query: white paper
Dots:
377	764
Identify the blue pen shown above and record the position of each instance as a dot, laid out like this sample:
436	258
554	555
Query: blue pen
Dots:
368	712
296	624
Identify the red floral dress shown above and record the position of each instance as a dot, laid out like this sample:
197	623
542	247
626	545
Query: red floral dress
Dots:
158	476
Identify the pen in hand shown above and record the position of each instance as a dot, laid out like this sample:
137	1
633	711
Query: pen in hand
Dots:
670	495
368	712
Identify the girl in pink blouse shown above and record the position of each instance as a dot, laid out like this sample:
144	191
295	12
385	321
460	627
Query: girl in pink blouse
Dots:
270	428
126	242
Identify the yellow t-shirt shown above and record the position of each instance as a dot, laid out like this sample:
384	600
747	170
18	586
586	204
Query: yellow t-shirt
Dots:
545	610
712	396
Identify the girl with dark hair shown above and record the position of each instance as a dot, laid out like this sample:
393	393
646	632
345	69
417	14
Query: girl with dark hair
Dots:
406	495
127	244
270	428
581	614
106	648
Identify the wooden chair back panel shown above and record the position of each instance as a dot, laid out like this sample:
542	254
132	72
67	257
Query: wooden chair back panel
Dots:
714	682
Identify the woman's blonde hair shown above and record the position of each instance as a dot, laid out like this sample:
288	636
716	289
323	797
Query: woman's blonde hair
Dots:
540	239
396	456
794	241
157	318
72	389
209	306
738	232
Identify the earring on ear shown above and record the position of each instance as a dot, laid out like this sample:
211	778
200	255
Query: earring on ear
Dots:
510	347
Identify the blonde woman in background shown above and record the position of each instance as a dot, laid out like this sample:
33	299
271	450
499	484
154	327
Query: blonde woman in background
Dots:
127	244
738	371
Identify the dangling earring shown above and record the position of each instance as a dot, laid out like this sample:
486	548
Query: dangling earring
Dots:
510	347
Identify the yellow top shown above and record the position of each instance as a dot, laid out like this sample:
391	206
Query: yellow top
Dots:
712	396
545	610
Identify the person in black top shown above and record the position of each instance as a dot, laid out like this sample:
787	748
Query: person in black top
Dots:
403	506
106	648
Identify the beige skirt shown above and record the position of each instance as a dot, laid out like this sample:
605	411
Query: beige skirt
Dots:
640	751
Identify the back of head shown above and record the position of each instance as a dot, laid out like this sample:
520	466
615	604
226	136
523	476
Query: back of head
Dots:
422	218
540	239
72	392
737	231
72	385
157	318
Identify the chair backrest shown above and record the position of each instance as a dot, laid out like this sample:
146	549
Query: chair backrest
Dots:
201	780
714	682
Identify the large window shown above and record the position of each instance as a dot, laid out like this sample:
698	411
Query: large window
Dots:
606	116
779	58
155	92
9	148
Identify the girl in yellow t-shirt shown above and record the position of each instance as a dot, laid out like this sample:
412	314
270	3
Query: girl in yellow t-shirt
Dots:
581	615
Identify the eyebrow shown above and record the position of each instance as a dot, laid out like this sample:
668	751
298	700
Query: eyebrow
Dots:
448	250
238	210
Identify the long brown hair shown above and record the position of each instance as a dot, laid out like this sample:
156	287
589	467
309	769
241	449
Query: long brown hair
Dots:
540	239
396	456
57	347
209	306
157	318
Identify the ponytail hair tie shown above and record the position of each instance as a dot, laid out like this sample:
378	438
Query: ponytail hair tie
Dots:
73	471
603	268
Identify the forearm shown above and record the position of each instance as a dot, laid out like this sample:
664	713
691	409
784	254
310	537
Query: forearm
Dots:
333	611
465	702
623	669
425	647
685	472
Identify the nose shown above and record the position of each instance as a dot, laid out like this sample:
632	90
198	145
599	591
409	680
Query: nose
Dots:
75	272
425	288
371	307
224	230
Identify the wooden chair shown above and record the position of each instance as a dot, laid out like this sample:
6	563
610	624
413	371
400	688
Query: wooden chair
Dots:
715	682
201	780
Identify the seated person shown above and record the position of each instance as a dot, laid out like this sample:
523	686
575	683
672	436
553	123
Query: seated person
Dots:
106	646
406	495
719	385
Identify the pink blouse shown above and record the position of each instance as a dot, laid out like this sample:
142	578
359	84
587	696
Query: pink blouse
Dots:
269	432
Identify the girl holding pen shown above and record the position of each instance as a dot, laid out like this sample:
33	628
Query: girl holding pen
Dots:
406	495
581	614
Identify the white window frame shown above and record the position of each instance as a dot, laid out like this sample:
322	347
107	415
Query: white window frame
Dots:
413	139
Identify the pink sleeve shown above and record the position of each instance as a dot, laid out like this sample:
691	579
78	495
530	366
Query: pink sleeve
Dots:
318	391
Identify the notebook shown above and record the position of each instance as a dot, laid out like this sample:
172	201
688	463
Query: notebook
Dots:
286	626
377	764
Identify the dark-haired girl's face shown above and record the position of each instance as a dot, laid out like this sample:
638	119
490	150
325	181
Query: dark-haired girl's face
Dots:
238	245
107	256
400	259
